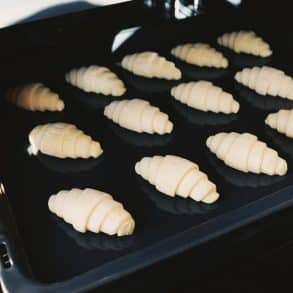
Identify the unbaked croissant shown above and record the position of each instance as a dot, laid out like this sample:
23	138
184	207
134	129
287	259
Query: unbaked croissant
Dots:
63	140
200	54
245	42
267	80
35	97
205	96
282	121
244	152
150	64
173	175
139	115
92	210
96	79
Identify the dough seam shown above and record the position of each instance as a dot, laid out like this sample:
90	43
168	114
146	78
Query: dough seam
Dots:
248	153
182	178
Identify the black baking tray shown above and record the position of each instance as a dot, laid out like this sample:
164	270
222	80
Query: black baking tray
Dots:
47	255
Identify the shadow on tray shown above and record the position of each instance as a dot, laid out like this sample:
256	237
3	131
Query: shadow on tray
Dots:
202	118
68	165
147	85
245	60
241	179
89	101
283	142
91	241
266	103
140	139
197	73
176	205
35	117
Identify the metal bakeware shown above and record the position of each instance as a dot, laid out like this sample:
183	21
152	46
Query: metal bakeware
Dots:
47	255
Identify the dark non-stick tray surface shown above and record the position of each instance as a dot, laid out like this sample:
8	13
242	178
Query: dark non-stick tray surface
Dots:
63	259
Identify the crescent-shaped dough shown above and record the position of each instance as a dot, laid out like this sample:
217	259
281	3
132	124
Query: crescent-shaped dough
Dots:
173	175
244	152
92	210
245	42
282	121
203	95
139	115
35	97
267	81
96	79
150	65
63	140
200	54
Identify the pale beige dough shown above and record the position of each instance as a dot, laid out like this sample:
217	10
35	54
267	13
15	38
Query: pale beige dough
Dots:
139	115
203	95
282	121
173	175
63	140
200	54
92	210
150	64
35	97
96	79
267	80
245	42
244	152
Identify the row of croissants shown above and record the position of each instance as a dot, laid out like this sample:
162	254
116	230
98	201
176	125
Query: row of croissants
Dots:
97	211
140	116
241	151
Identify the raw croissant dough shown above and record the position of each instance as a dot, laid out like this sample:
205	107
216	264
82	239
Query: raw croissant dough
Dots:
173	175
96	79
282	121
244	152
139	115
204	96
245	42
150	65
63	140
35	97
92	210
267	80
201	55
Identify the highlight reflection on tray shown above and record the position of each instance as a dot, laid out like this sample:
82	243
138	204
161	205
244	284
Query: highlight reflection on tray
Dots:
147	85
140	139
202	118
267	103
68	165
174	205
197	73
241	179
283	142
92	241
